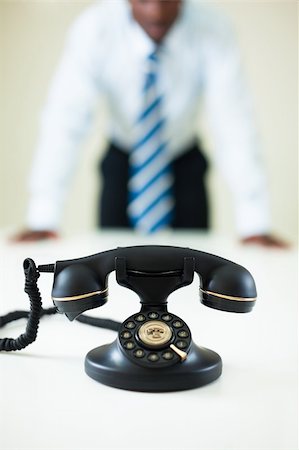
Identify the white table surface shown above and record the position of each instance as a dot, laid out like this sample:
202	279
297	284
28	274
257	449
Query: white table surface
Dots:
47	401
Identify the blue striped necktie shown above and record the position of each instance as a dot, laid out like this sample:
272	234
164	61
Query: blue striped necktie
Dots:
150	187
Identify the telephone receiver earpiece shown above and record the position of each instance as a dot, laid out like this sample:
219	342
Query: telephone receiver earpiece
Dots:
77	289
153	272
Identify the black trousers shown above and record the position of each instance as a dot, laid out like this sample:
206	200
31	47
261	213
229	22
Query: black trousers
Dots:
191	203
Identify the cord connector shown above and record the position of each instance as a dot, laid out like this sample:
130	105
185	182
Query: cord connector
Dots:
50	268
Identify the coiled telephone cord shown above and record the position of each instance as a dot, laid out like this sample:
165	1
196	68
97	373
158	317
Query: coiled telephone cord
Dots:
36	312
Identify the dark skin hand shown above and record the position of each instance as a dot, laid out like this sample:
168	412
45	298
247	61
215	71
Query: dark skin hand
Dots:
266	240
34	236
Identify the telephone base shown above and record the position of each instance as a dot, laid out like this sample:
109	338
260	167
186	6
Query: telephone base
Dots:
108	365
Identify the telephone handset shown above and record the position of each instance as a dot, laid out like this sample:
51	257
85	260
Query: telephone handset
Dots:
154	350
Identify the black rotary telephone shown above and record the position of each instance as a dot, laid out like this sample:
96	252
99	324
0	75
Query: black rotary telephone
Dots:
154	350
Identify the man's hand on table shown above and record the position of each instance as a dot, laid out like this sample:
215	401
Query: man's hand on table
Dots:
266	240
34	235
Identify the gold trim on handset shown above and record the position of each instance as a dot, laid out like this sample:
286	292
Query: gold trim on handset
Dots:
229	297
79	297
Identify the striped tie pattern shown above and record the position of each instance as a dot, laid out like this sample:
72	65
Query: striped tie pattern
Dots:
150	186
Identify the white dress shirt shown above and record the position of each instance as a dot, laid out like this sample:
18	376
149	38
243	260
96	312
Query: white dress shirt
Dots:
105	56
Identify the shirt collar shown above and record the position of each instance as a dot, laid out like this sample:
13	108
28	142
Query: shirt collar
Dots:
142	43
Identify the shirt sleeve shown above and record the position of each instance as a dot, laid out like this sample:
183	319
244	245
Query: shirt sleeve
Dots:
65	121
234	134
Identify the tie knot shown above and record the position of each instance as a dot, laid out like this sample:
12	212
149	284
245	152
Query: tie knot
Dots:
151	70
152	60
153	56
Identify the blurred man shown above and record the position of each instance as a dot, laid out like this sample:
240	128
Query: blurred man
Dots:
155	62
